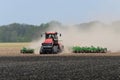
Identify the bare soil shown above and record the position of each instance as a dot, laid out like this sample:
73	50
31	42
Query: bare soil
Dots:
60	67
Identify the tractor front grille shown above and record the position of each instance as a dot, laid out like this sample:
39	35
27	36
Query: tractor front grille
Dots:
47	47
47	44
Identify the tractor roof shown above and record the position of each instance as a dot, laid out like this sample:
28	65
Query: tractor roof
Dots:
51	33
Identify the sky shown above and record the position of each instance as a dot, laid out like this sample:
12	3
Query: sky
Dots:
64	11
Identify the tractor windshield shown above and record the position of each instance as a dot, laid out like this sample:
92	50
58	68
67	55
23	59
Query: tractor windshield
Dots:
50	36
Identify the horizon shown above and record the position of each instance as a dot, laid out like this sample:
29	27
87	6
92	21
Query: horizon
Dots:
96	21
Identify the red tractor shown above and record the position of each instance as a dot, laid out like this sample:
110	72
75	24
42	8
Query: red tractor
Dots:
51	45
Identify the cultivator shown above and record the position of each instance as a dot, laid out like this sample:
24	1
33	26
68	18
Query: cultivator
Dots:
52	45
92	49
27	50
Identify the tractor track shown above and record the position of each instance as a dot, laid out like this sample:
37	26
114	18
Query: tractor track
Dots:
59	67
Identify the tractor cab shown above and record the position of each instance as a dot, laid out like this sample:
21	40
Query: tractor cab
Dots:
52	35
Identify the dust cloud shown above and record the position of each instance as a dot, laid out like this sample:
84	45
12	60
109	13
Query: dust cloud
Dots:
93	34
36	44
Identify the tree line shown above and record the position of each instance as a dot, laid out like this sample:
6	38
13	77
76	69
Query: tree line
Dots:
16	32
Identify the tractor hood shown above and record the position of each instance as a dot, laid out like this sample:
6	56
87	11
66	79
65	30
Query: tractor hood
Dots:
48	40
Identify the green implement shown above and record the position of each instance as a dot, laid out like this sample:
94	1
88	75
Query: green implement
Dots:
26	50
92	49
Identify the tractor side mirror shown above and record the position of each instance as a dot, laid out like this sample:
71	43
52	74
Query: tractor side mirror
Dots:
60	35
41	35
